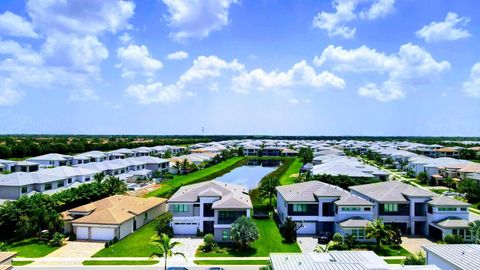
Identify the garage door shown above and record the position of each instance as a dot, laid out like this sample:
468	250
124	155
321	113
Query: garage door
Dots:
185	228
102	233
82	233
308	228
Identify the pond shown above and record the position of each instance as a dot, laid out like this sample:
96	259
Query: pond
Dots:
249	175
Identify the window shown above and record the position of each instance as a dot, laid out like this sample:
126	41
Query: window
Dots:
358	233
48	186
463	209
24	189
225	235
87	179
390	207
69	180
352	209
444	209
60	184
300	208
367	208
180	208
145	216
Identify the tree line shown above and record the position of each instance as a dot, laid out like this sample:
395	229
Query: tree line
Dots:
29	216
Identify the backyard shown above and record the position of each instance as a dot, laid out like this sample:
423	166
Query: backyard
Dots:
270	241
291	174
199	176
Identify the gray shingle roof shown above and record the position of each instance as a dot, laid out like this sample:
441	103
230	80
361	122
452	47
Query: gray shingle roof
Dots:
391	191
232	196
309	191
452	222
439	200
354	222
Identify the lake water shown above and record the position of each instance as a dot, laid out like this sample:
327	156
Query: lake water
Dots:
250	174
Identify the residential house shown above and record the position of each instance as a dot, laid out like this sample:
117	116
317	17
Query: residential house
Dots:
414	210
52	160
251	150
6	260
114	216
289	152
272	151
453	152
209	207
25	166
321	207
87	157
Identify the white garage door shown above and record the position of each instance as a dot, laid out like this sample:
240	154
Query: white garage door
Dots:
82	233
307	228
185	228
102	233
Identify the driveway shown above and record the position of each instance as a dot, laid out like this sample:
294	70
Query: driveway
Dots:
414	243
307	243
188	247
74	249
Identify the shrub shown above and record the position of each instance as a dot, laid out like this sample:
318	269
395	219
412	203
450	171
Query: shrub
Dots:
422	177
289	229
413	259
209	242
163	224
72	236
57	240
107	244
453	239
199	233
338	237
114	240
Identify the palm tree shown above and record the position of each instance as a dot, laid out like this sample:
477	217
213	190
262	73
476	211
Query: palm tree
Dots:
177	166
475	230
98	177
114	185
165	246
268	188
449	182
376	229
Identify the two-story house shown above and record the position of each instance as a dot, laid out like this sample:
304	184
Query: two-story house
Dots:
208	207
321	207
415	210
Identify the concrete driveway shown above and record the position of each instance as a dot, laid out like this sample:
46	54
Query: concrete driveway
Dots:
188	247
307	243
74	249
414	243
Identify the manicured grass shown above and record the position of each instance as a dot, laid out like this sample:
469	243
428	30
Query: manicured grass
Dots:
93	262
21	263
269	241
134	245
30	248
170	186
439	191
291	173
393	261
231	262
388	250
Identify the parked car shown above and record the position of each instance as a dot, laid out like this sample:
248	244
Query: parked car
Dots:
324	237
215	268
177	268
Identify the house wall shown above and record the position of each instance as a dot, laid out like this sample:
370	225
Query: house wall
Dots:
126	228
439	262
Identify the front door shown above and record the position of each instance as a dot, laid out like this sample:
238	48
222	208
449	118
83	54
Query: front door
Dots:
207	227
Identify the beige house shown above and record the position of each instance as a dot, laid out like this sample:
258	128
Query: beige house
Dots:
115	216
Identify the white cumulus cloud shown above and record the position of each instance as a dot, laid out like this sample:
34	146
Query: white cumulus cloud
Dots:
13	25
472	86
411	66
84	94
154	93
179	55
301	74
197	19
347	11
450	29
136	59
8	94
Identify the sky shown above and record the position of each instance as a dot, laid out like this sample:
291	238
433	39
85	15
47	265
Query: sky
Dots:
276	67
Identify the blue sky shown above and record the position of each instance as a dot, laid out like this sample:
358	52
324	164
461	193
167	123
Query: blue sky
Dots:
346	67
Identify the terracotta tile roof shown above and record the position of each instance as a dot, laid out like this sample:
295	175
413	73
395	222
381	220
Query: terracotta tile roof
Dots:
5	256
115	209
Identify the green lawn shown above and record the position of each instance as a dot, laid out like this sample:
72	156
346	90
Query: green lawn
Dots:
30	248
439	191
21	263
231	262
93	262
292	173
387	250
134	245
394	261
199	176
269	241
